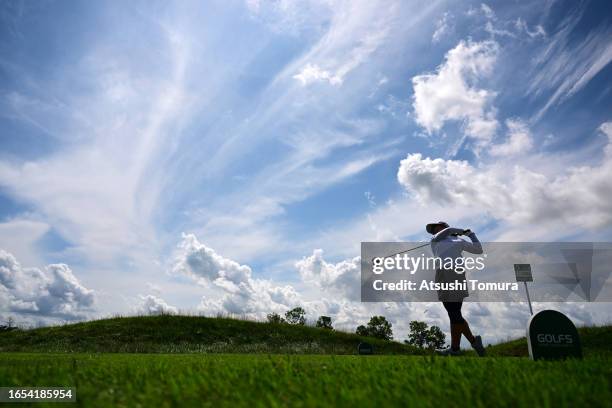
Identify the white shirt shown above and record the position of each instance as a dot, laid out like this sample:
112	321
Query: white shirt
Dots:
446	245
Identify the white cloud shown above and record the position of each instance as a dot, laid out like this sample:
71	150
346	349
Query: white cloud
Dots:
568	61
606	129
52	293
521	26
451	94
313	73
356	32
517	196
518	141
487	11
244	294
342	277
204	263
151	304
443	27
330	289
493	30
331	292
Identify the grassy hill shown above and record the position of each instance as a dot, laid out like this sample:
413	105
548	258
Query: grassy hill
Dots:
190	334
193	334
595	341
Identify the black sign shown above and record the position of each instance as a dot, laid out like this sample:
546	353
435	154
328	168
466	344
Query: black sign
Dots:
365	348
551	335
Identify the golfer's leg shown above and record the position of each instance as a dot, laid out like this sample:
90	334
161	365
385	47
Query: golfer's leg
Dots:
465	327
455	336
455	325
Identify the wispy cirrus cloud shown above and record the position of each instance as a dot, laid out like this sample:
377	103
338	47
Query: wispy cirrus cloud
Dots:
567	64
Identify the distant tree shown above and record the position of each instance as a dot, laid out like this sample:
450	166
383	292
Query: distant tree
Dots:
324	322
275	318
435	338
418	334
421	336
10	325
297	315
378	327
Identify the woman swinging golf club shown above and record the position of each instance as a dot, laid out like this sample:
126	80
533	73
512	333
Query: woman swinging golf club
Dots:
446	243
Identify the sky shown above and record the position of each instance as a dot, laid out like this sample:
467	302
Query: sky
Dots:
229	157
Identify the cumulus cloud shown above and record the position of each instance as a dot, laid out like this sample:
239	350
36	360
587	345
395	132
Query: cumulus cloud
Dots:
204	263
513	193
451	93
244	294
330	289
151	304
52	292
519	139
333	297
342	277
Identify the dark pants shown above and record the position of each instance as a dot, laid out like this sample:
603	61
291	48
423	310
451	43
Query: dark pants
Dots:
454	311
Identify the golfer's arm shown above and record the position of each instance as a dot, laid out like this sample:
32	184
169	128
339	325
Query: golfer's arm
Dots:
473	247
445	233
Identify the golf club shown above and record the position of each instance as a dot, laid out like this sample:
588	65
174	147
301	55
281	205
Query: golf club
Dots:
465	232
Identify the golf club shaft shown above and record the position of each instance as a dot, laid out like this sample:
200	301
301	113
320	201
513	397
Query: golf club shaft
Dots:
415	248
401	252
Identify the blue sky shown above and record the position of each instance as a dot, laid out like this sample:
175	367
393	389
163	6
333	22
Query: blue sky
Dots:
270	130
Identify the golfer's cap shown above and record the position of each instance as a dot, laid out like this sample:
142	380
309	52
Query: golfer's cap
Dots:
430	227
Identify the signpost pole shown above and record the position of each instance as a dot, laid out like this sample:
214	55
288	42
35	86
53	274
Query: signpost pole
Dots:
528	299
523	274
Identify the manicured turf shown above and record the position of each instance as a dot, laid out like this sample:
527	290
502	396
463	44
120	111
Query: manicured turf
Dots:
105	380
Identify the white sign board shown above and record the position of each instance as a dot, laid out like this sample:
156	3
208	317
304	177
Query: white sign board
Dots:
523	272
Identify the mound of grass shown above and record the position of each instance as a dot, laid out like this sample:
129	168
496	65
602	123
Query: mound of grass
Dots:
147	380
595	341
190	334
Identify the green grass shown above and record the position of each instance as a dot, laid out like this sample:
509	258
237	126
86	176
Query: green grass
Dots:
190	334
104	380
182	361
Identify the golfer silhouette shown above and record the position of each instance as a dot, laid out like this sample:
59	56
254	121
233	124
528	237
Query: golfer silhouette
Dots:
446	243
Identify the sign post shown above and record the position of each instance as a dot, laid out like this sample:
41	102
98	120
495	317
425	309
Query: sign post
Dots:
365	348
551	335
523	274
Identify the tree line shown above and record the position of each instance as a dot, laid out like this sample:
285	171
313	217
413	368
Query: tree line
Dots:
421	335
